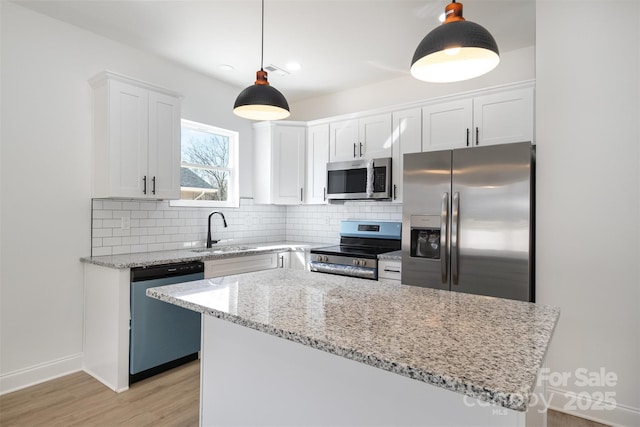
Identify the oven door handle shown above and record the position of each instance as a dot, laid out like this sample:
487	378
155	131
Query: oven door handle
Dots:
344	270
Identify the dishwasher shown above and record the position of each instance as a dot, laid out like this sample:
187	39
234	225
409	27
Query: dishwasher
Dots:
161	336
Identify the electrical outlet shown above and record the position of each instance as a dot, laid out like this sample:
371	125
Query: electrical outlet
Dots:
125	223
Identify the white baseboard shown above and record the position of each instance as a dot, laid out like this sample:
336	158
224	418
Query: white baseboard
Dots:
104	382
616	415
33	375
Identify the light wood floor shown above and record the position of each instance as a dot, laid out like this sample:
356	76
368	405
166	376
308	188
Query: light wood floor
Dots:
168	399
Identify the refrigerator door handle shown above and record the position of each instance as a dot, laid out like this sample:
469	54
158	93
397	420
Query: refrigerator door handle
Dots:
444	264
455	218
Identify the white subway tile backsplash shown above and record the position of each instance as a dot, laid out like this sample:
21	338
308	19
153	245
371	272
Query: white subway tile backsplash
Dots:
156	226
112	205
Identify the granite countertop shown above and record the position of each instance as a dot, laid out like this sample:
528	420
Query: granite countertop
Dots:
194	254
484	347
393	256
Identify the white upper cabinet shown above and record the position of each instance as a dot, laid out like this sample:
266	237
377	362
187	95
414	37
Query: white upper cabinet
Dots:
500	117
279	160
407	138
447	125
164	152
136	149
364	138
317	158
504	117
344	141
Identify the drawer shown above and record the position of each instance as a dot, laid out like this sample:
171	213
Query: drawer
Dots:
240	264
389	269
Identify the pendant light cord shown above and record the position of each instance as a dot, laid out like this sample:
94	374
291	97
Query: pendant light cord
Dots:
262	38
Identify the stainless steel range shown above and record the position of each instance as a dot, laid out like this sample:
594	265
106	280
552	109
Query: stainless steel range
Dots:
360	244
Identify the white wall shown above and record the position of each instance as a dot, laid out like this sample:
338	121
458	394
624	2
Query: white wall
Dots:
515	66
587	110
46	178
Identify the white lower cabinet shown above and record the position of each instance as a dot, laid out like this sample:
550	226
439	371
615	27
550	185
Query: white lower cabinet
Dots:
294	260
241	264
389	270
106	325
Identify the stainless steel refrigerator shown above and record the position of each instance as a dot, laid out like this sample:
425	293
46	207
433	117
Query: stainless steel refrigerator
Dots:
468	220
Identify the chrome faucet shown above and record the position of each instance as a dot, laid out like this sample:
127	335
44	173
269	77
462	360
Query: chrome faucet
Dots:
224	221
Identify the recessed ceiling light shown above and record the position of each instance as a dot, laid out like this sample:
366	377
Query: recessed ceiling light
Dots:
293	66
226	67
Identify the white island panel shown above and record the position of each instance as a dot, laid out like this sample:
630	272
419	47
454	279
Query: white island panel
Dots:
347	344
252	378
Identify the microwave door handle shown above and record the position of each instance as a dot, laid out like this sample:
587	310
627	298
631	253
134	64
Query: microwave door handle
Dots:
455	237
444	218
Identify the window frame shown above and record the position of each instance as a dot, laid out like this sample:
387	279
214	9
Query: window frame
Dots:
233	189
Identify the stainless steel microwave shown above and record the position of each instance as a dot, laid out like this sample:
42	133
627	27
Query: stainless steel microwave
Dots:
359	179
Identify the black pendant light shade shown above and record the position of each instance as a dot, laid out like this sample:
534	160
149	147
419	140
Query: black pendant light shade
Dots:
261	101
456	50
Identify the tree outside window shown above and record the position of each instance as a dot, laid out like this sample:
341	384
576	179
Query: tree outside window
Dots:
209	170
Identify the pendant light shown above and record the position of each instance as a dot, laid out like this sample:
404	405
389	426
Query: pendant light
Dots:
456	50
261	101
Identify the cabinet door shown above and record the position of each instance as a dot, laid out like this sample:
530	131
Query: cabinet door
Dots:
447	125
407	138
288	164
375	137
343	141
317	158
164	147
128	140
503	117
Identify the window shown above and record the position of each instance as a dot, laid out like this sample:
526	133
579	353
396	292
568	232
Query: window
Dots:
209	166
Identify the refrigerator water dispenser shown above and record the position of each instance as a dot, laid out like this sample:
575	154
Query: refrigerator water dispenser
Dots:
425	236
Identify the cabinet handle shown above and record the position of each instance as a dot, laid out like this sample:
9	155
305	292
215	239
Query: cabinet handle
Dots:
153	185
281	261
395	192
361	149
354	149
301	195
324	193
144	187
390	270
477	135
467	137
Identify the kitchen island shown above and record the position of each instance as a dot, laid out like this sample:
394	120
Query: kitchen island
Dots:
299	348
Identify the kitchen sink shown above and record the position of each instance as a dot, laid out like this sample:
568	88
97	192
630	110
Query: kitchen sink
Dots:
223	249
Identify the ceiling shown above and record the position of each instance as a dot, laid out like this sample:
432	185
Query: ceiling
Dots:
339	44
